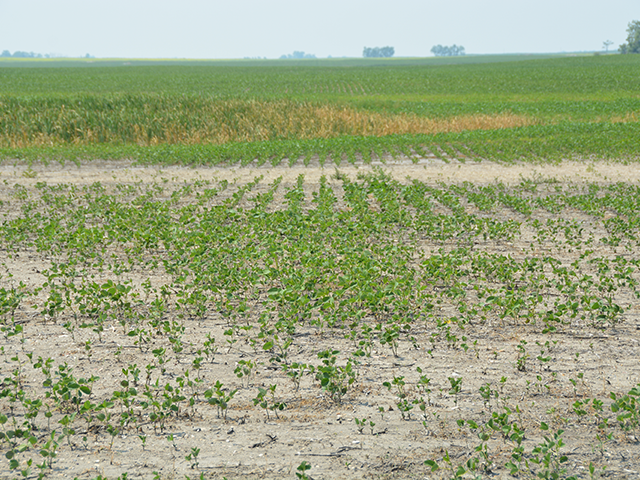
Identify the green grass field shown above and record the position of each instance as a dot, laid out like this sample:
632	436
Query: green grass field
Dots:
497	107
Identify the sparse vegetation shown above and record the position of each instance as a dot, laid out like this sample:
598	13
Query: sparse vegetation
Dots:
507	305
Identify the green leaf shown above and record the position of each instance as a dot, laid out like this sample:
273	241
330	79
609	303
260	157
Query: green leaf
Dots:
432	464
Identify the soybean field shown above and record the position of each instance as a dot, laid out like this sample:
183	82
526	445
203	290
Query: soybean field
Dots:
335	269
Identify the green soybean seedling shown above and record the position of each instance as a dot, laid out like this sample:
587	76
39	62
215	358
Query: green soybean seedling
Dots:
220	398
245	371
193	457
456	388
296	371
403	404
521	360
371	426
209	348
390	337
143	440
302	468
334	379
547	455
269	404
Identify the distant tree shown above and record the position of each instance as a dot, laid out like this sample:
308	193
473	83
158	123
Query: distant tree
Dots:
5	53
387	52
606	44
378	52
297	55
633	38
446	51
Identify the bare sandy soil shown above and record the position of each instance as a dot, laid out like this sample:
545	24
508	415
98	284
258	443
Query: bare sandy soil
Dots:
312	428
428	169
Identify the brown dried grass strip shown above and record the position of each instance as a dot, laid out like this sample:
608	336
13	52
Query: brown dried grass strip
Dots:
235	121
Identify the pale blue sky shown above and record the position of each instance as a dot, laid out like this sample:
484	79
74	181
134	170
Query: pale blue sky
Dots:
261	28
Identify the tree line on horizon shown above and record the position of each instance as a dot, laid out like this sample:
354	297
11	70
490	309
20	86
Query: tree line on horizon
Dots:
21	54
632	45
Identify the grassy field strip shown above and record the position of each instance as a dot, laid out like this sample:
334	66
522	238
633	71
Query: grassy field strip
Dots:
604	78
537	144
510	111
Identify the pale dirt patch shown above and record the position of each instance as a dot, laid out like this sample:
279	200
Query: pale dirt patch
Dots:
425	169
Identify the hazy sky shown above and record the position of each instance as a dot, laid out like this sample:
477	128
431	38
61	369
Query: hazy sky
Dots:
270	28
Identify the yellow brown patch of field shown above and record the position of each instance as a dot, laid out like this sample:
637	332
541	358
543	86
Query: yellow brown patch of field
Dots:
219	122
